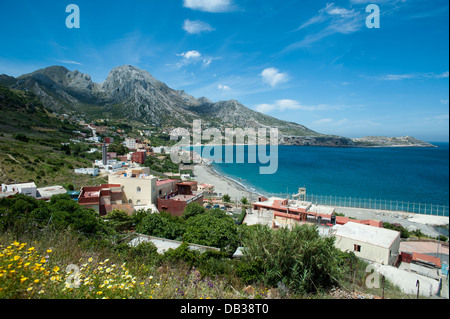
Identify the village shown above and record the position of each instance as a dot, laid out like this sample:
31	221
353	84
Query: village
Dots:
133	187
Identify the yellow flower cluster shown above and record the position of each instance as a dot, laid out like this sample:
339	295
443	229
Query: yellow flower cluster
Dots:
22	271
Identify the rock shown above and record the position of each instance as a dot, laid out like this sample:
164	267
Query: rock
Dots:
249	290
273	294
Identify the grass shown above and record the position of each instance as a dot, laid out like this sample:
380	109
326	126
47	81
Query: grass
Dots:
43	164
58	267
62	265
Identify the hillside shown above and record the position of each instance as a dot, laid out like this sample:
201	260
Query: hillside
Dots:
31	140
382	141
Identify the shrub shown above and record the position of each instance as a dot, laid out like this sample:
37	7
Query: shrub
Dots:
162	225
21	137
404	233
213	228
192	210
299	258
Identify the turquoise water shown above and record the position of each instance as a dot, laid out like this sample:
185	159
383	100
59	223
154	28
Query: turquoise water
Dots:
419	175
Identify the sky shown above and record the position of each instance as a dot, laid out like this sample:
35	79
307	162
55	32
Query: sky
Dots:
313	62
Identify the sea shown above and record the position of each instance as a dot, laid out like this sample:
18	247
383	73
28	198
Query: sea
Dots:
413	177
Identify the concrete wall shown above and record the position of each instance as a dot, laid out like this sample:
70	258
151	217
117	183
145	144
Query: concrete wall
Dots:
368	251
137	191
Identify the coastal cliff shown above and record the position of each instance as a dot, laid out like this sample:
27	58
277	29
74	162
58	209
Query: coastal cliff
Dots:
382	141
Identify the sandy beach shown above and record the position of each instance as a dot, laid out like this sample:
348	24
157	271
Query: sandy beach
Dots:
224	185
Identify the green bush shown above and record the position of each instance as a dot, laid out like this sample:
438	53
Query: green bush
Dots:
192	210
213	228
119	220
404	233
162	225
21	137
300	258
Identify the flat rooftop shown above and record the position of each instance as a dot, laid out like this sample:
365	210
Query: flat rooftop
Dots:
368	234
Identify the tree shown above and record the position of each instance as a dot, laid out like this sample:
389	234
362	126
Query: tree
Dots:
162	225
192	210
120	149
213	228
226	198
119	220
244	201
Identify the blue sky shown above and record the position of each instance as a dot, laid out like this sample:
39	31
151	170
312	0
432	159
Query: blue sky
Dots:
312	62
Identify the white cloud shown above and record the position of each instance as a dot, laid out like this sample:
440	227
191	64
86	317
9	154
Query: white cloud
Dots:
338	20
69	62
223	87
194	57
407	76
273	77
207	62
289	105
209	5
444	101
196	27
190	54
323	121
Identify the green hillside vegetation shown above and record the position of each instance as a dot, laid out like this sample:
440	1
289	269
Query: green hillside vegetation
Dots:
31	139
39	240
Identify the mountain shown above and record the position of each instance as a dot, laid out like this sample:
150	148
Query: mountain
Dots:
134	94
129	92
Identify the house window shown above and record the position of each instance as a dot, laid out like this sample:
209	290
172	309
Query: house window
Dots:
357	248
130	201
139	189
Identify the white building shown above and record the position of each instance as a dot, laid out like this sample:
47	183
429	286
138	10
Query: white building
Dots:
158	150
375	244
138	186
28	189
87	171
48	192
130	143
111	166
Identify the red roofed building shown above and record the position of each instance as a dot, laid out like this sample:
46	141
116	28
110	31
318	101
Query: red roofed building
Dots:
427	260
292	212
103	198
175	202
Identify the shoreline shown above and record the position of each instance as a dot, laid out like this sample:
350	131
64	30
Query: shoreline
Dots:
223	184
412	221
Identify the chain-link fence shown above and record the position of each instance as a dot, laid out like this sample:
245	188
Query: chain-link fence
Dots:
376	204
